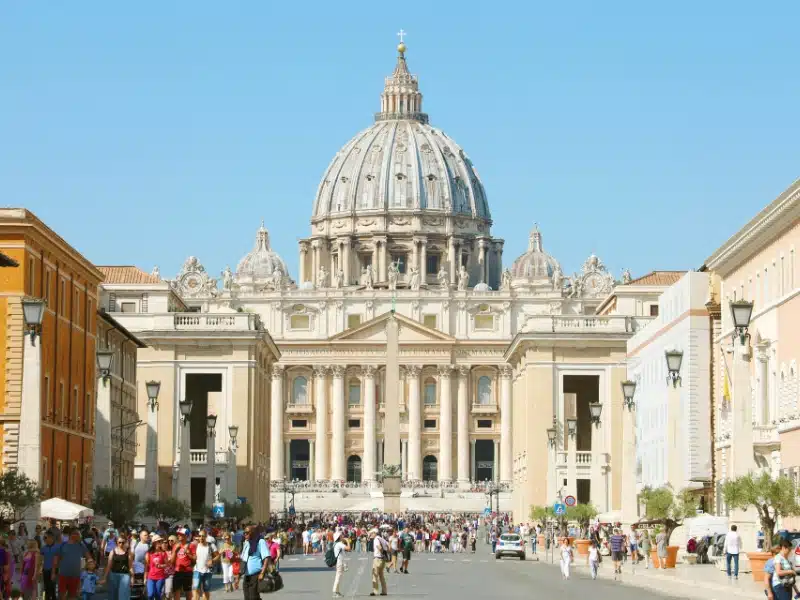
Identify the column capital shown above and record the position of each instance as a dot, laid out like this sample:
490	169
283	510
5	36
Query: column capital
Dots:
338	371
277	371
316	244
369	371
413	370
320	371
506	371
420	239
445	370
463	370
303	246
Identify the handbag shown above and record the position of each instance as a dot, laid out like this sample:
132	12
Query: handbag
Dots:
272	582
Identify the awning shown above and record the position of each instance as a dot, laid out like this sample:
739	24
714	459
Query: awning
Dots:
62	510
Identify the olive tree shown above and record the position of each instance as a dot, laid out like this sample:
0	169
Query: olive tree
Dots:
669	508
772	498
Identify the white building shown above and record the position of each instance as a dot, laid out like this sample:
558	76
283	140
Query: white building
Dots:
674	440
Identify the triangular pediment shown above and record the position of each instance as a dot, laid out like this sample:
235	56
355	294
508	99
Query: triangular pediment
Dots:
410	332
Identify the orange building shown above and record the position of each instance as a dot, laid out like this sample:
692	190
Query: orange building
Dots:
44	266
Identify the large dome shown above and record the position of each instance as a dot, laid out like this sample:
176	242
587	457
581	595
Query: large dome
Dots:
401	163
260	264
535	264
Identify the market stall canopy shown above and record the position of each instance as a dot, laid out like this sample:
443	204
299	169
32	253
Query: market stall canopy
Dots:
62	510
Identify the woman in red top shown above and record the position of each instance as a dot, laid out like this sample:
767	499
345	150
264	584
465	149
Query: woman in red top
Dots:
155	567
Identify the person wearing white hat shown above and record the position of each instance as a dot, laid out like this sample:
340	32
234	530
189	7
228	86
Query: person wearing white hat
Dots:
340	546
380	554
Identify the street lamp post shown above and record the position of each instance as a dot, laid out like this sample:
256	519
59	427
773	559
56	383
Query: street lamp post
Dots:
675	452
151	458
629	512
184	469
599	468
103	452
211	479
233	488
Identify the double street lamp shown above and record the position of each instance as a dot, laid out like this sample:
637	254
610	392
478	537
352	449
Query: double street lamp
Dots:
628	390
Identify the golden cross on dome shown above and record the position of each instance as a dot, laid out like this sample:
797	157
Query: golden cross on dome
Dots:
401	34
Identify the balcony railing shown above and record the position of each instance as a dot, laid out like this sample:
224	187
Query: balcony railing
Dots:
190	321
299	409
584	324
200	457
484	409
765	434
582	458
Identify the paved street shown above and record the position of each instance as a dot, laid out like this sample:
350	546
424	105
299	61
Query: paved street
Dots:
438	576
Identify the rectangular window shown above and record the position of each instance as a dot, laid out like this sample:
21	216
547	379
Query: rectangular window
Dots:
87	413
62	402
128	307
62	299
48	399
299	423
353	321
45	479
354	394
432	264
47	287
654	310
354	423
73	482
76	423
484	423
58	482
430	424
484	322
31	275
400	261
429	321
300	322
430	394
75	307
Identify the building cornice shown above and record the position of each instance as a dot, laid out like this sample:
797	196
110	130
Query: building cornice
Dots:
779	215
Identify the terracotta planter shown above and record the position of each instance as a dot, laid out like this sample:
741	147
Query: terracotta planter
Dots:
540	541
672	557
570	540
757	562
583	547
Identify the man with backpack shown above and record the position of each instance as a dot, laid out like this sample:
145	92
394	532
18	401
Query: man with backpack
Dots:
407	542
380	553
334	556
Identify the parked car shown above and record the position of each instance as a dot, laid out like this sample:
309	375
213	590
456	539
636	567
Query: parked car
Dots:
510	543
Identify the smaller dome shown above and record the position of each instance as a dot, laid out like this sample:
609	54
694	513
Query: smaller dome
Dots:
260	264
535	263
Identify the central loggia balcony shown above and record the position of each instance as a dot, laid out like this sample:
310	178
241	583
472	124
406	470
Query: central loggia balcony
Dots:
584	324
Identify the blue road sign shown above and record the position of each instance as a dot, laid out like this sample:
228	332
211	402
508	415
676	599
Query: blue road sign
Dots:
218	510
291	510
559	508
487	512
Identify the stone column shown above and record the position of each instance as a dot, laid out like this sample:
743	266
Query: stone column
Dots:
473	467
423	261
742	461
211	473
496	465
482	259
463	426
312	475
375	259
321	393
414	253
414	424
287	463
185	466
346	261
303	258
379	270
314	262
151	457
598	478
338	465
404	459
445	424
101	475
453	259
629	508
762	385
276	466
506	460
675	454
30	422
369	466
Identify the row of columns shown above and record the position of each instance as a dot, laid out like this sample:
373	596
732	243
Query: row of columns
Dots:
338	465
380	258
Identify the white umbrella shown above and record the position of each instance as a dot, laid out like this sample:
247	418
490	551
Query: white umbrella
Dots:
62	510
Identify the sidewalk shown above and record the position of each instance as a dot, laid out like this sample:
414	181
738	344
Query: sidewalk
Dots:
704	582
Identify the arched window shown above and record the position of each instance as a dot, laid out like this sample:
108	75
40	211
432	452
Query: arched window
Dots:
354	469
300	390
430	471
430	392
484	390
354	392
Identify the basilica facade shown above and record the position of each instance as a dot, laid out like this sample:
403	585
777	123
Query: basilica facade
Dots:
503	363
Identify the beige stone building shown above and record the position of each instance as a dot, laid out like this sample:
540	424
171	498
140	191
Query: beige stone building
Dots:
759	264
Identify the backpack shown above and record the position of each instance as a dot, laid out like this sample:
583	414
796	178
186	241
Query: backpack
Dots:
330	557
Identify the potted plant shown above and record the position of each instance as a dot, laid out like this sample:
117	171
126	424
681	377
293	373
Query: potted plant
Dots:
773	499
543	514
668	509
582	514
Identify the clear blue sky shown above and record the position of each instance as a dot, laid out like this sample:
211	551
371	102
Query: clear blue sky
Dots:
644	132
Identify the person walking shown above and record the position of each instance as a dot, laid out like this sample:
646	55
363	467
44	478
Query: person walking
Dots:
31	571
617	543
49	550
205	555
119	571
68	563
566	557
226	559
408	545
645	546
155	568
394	545
380	554
255	555
731	548
784	575
661	549
594	559
340	546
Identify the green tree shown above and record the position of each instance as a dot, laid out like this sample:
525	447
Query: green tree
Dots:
772	498
581	514
663	505
169	510
542	513
238	512
18	493
121	506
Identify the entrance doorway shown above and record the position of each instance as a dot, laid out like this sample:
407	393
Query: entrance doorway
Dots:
430	471
484	460
198	387
299	457
354	469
